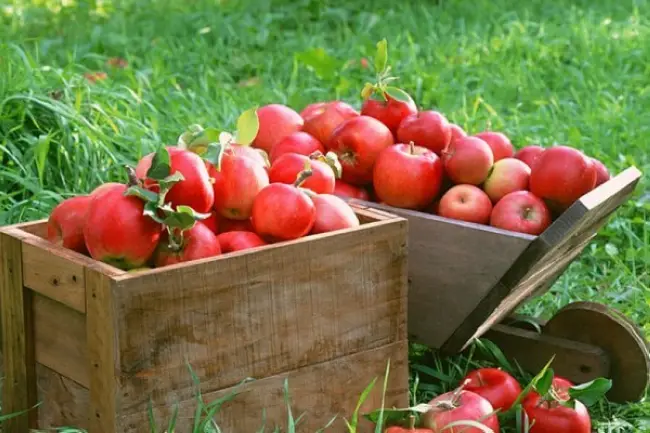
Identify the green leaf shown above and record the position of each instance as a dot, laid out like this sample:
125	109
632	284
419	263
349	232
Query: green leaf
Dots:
398	94
533	383
323	65
381	58
591	392
544	383
214	154
248	124
368	90
199	141
40	152
151	210
160	164
182	218
142	193
186	137
167	183
396	415
352	425
379	427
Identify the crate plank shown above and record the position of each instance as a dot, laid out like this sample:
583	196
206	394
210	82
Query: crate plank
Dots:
60	339
260	314
546	257
103	358
19	387
53	275
320	391
64	401
452	265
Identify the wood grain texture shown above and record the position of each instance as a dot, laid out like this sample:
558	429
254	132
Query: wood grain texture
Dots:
319	391
579	362
60	339
452	266
548	255
261	313
64	401
103	356
19	385
54	276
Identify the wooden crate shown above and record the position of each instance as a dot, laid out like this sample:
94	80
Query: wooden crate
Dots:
464	277
95	344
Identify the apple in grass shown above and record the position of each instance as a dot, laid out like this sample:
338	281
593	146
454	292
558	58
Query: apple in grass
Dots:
428	129
529	154
357	142
521	211
466	203
276	121
499	143
297	142
561	176
322	121
507	175
407	176
468	161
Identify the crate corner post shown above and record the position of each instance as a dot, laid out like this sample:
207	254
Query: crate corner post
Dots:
19	391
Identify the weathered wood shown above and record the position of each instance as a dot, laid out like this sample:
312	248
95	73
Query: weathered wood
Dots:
602	326
579	362
260	314
54	276
60	339
103	357
452	266
319	391
19	386
63	401
545	257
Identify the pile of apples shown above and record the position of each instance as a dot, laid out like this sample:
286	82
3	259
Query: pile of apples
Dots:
210	194
284	175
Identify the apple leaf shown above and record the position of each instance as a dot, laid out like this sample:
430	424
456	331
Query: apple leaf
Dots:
160	164
398	94
142	193
381	58
151	210
591	392
182	218
396	415
533	383
368	90
214	154
199	142
544	383
248	124
186	137
167	183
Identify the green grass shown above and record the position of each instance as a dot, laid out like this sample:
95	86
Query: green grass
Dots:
572	72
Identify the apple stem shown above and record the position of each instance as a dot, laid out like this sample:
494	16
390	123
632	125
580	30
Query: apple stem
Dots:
411	422
133	178
303	176
175	241
456	395
412	148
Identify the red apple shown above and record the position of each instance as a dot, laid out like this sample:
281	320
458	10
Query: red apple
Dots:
602	173
199	242
65	226
357	143
212	222
322	121
283	212
298	142
228	225
499	143
521	211
286	169
456	132
238	241
466	203
390	112
468	160
311	109
276	122
332	213
258	155
407	176
507	175
236	185
345	190
529	154
561	176
428	129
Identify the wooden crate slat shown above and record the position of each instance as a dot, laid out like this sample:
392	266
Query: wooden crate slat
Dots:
64	401
54	276
258	315
321	391
60	339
